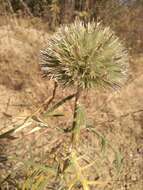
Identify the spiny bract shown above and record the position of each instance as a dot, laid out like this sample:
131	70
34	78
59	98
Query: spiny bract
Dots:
85	55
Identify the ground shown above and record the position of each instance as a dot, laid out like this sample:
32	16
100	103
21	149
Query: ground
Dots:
118	115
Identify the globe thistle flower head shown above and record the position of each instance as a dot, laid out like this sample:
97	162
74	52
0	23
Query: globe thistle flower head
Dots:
86	56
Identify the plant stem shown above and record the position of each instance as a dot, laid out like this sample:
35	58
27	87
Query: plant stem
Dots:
77	95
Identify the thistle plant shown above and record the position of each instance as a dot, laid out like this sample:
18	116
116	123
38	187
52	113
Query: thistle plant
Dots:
85	56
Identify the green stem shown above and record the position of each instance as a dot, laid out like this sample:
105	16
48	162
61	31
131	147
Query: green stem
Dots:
77	95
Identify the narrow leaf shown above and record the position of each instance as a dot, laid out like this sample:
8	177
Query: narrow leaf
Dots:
61	102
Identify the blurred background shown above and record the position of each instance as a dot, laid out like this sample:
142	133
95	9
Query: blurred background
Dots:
124	16
25	26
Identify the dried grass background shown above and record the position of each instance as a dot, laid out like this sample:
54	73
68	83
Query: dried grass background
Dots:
22	88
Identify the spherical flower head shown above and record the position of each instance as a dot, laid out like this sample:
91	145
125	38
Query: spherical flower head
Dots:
86	56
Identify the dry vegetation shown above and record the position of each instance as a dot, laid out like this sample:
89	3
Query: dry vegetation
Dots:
118	116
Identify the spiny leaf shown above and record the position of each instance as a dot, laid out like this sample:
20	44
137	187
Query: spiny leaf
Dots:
118	157
61	102
104	141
